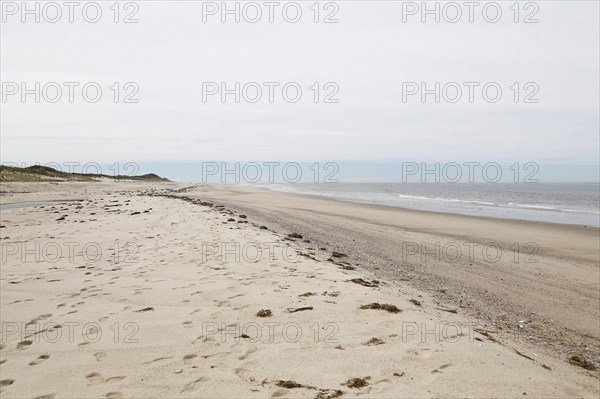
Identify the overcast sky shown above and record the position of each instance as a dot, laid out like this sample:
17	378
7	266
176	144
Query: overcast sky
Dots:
368	55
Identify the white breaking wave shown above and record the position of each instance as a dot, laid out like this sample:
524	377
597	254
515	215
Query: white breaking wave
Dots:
507	205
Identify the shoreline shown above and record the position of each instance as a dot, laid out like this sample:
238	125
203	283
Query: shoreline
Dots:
455	219
403	208
493	206
8	201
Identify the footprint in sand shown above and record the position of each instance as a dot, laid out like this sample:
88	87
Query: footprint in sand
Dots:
24	344
194	385
279	393
5	383
247	354
2	346
100	356
3	361
424	353
442	367
49	396
39	360
39	318
116	378
187	359
158	359
187	324
114	395
244	374
94	378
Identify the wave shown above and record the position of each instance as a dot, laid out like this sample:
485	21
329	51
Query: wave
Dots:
450	200
505	205
551	208
500	207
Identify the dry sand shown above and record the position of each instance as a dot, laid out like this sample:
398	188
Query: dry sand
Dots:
160	295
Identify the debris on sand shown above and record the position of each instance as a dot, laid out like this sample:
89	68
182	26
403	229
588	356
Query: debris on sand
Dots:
375	341
448	310
329	394
372	284
580	361
289	384
382	306
294	310
308	294
322	394
523	355
357	382
415	302
264	313
490	337
149	308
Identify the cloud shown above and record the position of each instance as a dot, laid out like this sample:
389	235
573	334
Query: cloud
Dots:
365	57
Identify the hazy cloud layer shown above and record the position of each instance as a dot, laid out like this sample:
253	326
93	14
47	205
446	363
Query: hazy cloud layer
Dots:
368	55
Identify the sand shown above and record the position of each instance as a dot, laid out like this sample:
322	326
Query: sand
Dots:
499	271
161	297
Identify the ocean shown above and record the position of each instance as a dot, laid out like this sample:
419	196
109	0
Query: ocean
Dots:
565	203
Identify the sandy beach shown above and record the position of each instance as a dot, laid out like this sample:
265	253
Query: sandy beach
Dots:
130	290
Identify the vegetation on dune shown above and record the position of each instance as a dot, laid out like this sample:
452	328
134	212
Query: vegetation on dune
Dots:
38	173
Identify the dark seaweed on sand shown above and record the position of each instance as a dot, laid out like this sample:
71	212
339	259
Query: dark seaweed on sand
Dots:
322	394
415	302
357	382
264	313
375	341
149	308
289	384
382	306
329	394
580	361
365	283
294	310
